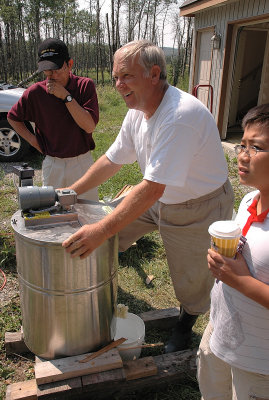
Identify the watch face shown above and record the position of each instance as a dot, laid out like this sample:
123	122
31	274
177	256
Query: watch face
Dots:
69	98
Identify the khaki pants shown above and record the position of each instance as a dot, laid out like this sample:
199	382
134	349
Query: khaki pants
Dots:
62	172
220	381
184	231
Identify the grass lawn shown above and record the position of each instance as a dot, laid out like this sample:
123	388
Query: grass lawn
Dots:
146	258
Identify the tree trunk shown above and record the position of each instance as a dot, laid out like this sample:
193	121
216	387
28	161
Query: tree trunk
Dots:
110	49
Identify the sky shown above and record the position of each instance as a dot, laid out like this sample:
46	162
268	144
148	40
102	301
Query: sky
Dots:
168	31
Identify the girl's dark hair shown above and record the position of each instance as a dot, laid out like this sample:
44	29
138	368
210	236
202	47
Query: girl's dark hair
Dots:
258	115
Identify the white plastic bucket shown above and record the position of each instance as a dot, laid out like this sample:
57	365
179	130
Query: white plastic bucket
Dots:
133	329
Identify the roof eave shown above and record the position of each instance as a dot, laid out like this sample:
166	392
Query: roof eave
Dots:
197	6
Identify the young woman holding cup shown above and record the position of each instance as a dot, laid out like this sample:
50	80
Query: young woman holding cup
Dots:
233	356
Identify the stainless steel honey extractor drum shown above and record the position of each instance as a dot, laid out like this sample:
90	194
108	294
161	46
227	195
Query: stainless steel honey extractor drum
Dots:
67	304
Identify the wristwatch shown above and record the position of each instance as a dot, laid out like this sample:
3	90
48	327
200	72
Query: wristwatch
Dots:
68	98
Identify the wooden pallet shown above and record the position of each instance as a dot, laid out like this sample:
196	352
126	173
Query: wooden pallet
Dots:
105	376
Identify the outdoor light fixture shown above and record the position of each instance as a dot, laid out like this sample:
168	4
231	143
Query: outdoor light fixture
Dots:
215	41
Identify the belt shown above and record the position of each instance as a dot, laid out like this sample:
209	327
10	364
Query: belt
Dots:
222	189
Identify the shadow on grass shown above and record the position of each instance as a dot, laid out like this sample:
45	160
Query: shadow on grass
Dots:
153	335
135	305
135	257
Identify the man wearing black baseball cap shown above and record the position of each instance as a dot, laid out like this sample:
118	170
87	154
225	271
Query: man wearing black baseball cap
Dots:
52	53
64	108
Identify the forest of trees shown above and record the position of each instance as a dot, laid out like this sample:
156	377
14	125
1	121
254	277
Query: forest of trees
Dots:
91	36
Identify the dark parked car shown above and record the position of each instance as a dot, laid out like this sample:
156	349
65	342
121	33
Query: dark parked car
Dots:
12	146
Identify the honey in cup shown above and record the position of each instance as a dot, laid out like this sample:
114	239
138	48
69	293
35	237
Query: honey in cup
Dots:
225	236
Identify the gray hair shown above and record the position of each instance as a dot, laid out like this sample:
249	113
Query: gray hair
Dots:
149	55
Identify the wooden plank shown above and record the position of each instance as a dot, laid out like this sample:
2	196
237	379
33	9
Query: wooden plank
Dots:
102	379
70	367
26	390
176	365
39	359
103	350
77	388
14	343
123	191
173	367
62	389
163	319
140	368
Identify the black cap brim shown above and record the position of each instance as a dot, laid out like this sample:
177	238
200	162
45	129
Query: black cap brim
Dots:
50	64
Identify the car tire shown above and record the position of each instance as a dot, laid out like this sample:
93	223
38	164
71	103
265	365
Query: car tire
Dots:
12	146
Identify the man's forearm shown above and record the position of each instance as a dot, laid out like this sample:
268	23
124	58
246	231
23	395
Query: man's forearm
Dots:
81	116
24	132
139	200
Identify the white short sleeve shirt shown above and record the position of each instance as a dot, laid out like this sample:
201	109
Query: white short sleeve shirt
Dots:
179	146
241	325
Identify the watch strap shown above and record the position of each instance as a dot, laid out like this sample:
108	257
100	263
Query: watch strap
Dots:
68	99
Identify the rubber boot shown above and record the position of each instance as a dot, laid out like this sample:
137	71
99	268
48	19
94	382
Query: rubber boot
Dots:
181	334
